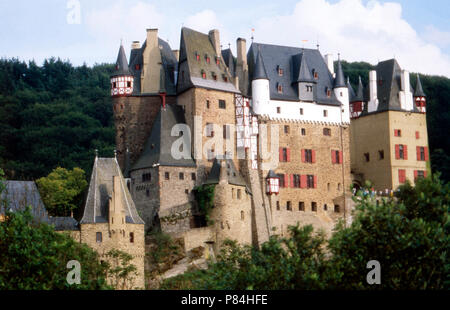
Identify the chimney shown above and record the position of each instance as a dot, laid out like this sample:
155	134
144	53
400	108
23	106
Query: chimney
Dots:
214	37
405	81
152	38
177	54
373	85
223	178
135	45
116	210
241	53
330	64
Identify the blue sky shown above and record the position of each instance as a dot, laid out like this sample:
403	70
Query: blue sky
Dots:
415	32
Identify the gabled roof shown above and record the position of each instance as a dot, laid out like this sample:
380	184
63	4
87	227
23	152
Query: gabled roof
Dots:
96	209
194	43
158	148
419	90
339	81
19	195
168	67
289	59
233	175
121	63
388	86
62	223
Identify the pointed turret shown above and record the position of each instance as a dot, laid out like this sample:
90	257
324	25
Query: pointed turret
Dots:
419	96
121	79
360	91
351	92
419	90
339	81
304	74
260	70
121	63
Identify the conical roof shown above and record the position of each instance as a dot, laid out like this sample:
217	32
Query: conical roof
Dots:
339	81
304	74
419	91
260	70
121	63
351	92
360	91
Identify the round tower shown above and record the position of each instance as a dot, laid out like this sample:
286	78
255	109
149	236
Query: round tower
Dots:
341	92
121	79
260	88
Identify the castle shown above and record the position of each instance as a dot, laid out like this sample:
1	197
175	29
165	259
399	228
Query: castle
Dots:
276	131
280	134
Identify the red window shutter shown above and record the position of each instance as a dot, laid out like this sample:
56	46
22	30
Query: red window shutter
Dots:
286	180
281	154
397	151
405	152
313	155
288	154
415	174
418	152
292	180
395	133
426	153
303	181
401	175
333	157
303	156
425	174
315	181
417	135
340	157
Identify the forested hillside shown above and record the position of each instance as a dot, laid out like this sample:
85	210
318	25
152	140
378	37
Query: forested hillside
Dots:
57	115
53	115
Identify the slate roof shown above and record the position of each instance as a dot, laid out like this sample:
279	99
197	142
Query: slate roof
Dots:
388	87
19	195
260	69
351	92
339	81
101	189
121	63
359	91
229	61
169	65
64	223
193	42
289	59
419	90
304	74
233	175
157	149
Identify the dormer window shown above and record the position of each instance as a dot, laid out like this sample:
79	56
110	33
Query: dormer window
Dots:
315	74
208	60
280	71
217	60
328	92
137	66
279	88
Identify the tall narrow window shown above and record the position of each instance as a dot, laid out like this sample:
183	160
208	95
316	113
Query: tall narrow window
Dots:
98	236
301	206
131	237
314	206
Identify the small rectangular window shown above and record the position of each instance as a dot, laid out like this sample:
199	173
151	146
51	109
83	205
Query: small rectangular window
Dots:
99	237
286	129
288	206
303	132
222	104
239	194
301	206
207	104
314	206
281	180
367	157
325	113
193	176
310	181
181	176
380	154
131	237
301	111
167	175
327	132
278	205
278	110
336	208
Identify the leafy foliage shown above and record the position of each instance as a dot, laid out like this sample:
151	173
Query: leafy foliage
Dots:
53	115
204	195
407	234
61	190
121	272
35	257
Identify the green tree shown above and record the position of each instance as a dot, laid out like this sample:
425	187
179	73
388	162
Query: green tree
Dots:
408	235
120	270
61	190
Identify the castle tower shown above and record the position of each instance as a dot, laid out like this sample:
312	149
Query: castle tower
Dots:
260	88
420	97
341	92
356	100
305	81
122	79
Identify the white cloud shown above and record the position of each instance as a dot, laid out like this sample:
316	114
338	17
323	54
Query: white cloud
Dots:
437	37
122	21
371	32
